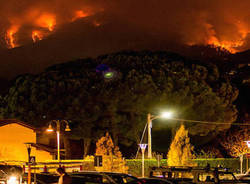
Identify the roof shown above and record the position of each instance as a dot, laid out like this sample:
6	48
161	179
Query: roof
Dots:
4	122
46	148
43	147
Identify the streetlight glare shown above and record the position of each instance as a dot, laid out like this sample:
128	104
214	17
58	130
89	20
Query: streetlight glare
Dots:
50	129
12	180
67	129
248	143
166	115
58	125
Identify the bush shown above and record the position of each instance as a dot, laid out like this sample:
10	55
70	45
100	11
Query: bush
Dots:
135	165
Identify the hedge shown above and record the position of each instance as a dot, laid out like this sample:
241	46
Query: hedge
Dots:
135	165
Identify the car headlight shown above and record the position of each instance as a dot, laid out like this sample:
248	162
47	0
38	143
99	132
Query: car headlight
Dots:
12	180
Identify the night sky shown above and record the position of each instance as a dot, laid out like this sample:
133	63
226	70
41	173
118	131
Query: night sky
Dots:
37	34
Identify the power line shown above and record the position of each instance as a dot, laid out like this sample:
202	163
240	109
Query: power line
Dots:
210	122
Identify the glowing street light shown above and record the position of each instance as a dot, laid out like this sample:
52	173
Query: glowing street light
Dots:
248	143
247	154
143	147
166	115
58	125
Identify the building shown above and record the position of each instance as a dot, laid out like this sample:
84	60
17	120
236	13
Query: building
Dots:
13	136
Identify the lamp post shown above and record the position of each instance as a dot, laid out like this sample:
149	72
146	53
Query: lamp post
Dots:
150	118
58	127
143	147
28	146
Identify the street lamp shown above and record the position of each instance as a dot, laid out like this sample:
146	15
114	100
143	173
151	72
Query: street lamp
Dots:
248	143
150	118
247	154
28	146
143	147
58	127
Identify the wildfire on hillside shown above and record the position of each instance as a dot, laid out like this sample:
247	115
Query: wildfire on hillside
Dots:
79	14
40	23
43	23
46	21
230	43
218	23
10	37
36	35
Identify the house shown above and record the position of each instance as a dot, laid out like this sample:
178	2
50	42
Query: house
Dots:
13	136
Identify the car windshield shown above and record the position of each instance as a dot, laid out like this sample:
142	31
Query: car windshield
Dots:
95	177
122	178
79	180
42	178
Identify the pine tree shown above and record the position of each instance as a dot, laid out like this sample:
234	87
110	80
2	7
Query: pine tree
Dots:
180	152
112	157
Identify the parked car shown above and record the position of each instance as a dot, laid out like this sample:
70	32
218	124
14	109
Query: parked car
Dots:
121	178
94	176
53	179
151	181
197	175
85	180
10	174
41	178
244	177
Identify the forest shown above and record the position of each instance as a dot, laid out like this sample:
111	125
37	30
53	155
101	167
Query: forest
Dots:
114	92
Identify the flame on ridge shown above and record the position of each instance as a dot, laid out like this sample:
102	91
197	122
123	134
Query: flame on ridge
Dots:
10	37
79	14
41	21
231	44
36	35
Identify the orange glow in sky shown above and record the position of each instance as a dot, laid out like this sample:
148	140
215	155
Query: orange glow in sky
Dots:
46	21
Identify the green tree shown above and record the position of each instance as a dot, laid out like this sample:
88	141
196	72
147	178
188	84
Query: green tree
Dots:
143	82
181	150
